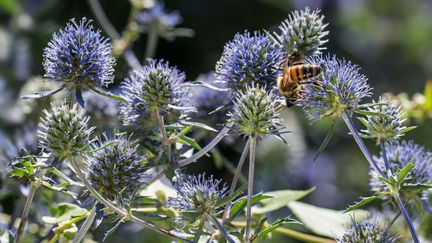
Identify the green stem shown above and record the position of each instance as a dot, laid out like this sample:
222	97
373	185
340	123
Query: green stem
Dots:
252	148
350	124
24	217
236	176
165	141
152	41
121	212
85	226
207	148
292	234
221	228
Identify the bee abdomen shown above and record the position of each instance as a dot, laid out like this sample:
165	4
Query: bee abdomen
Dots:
303	71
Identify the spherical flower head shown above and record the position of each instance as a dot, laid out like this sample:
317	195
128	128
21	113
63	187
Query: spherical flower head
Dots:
399	154
340	87
247	59
303	31
255	112
157	16
366	232
65	131
211	104
116	167
79	57
156	88
198	194
387	127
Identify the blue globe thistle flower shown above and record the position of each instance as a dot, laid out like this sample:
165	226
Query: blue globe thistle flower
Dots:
65	131
366	232
399	154
303	32
255	112
340	87
116	167
198	194
211	104
386	128
247	59
79	58
156	88
158	17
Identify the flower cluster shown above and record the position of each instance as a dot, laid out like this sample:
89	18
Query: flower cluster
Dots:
248	59
303	32
339	88
116	167
65	131
198	194
399	154
366	232
255	112
386	122
156	88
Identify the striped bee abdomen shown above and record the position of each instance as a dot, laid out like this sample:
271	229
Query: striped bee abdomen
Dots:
303	71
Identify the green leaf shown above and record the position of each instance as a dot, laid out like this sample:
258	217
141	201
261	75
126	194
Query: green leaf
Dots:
242	202
401	175
428	95
199	125
279	199
326	140
64	211
364	201
237	193
189	141
217	158
185	130
407	129
42	94
372	105
371	113
276	224
109	95
324	221
416	187
10	6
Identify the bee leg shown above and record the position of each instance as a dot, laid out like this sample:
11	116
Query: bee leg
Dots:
289	102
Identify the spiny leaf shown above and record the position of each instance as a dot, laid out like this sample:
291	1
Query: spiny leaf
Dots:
407	129
416	187
189	141
371	113
39	95
364	201
276	224
241	204
109	95
326	140
200	125
404	171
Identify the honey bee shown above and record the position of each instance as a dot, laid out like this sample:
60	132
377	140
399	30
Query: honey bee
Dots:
295	74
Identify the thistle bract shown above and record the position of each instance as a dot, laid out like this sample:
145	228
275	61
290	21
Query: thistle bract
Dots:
255	112
198	194
387	126
65	131
399	154
248	59
79	57
303	32
116	167
156	88
340	87
366	232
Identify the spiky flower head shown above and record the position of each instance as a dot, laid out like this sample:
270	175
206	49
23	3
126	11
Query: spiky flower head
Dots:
116	167
159	18
198	194
388	125
255	112
155	88
399	154
248	59
366	232
340	87
65	130
79	57
303	31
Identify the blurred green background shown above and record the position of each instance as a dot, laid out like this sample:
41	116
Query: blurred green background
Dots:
390	40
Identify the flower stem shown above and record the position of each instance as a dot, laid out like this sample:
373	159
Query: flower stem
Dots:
85	226
165	141
236	177
121	212
384	155
207	148
407	217
221	228
252	148
152	41
360	143
21	227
